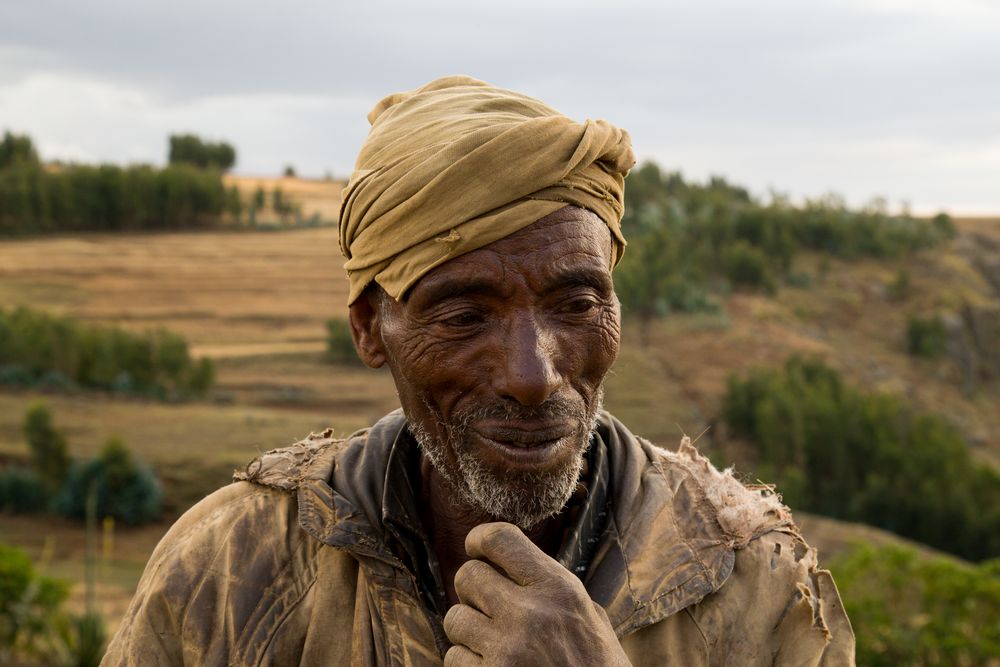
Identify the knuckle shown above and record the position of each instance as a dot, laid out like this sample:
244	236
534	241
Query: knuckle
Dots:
453	620
470	574
453	657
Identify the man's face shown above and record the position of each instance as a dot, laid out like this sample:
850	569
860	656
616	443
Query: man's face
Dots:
499	357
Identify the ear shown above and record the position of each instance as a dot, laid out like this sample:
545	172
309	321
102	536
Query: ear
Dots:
366	330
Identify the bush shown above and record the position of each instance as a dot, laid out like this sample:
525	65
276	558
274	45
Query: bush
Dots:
944	226
36	348
21	491
843	453
85	640
910	610
125	489
926	338
339	343
899	289
29	610
746	266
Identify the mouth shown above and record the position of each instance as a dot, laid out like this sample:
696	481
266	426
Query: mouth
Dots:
525	435
523	445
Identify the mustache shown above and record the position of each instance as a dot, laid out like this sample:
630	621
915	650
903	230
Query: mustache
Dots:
554	408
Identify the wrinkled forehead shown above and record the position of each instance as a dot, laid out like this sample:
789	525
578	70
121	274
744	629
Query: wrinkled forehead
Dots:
572	243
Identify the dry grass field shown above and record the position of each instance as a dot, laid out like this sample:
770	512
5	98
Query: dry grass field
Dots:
317	197
256	303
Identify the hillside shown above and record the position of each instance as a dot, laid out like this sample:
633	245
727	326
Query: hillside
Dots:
256	303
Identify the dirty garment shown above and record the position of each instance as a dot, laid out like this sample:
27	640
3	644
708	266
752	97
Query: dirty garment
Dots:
457	164
293	564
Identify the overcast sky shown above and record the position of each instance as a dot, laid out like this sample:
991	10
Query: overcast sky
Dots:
899	98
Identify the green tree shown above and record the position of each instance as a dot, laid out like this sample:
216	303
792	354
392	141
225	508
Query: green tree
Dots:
49	457
837	451
192	149
126	489
17	148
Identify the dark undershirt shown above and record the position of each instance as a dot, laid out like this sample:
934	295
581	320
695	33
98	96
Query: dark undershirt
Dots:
586	512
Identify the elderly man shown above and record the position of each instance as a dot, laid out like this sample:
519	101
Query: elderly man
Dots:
501	516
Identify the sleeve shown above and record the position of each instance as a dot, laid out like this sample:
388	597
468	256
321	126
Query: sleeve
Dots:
187	606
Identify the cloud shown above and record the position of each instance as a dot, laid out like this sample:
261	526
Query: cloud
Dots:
771	92
112	122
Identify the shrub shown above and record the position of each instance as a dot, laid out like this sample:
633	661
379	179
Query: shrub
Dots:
926	338
339	343
21	491
125	489
899	289
29	609
944	226
38	349
837	451
911	610
85	640
747	266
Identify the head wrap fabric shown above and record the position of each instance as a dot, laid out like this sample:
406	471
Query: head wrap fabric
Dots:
458	164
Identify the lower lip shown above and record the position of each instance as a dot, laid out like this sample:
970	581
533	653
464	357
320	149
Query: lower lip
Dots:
533	456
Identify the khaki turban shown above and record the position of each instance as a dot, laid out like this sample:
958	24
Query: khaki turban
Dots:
458	164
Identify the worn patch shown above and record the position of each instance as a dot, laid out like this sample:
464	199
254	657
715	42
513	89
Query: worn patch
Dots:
744	512
287	468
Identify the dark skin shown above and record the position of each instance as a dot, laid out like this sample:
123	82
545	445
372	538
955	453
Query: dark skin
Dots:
527	318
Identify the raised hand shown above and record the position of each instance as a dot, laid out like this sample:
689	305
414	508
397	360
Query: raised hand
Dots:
521	607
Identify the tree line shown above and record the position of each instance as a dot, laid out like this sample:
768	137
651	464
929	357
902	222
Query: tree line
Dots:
39	349
837	451
36	198
688	240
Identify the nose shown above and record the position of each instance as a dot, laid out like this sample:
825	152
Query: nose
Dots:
528	373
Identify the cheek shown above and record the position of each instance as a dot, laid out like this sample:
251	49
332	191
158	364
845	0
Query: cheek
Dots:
439	370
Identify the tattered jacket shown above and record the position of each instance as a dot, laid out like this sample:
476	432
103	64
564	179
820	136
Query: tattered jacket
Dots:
290	565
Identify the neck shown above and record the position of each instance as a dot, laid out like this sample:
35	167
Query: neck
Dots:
449	522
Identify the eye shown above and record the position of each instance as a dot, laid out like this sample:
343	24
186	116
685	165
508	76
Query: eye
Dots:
579	306
462	319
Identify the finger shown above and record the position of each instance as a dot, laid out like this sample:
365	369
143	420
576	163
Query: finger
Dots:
467	626
481	586
461	656
507	547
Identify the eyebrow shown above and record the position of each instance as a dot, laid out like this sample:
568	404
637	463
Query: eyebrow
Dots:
582	277
456	288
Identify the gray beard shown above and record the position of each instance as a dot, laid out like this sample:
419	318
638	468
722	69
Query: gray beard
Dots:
521	498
